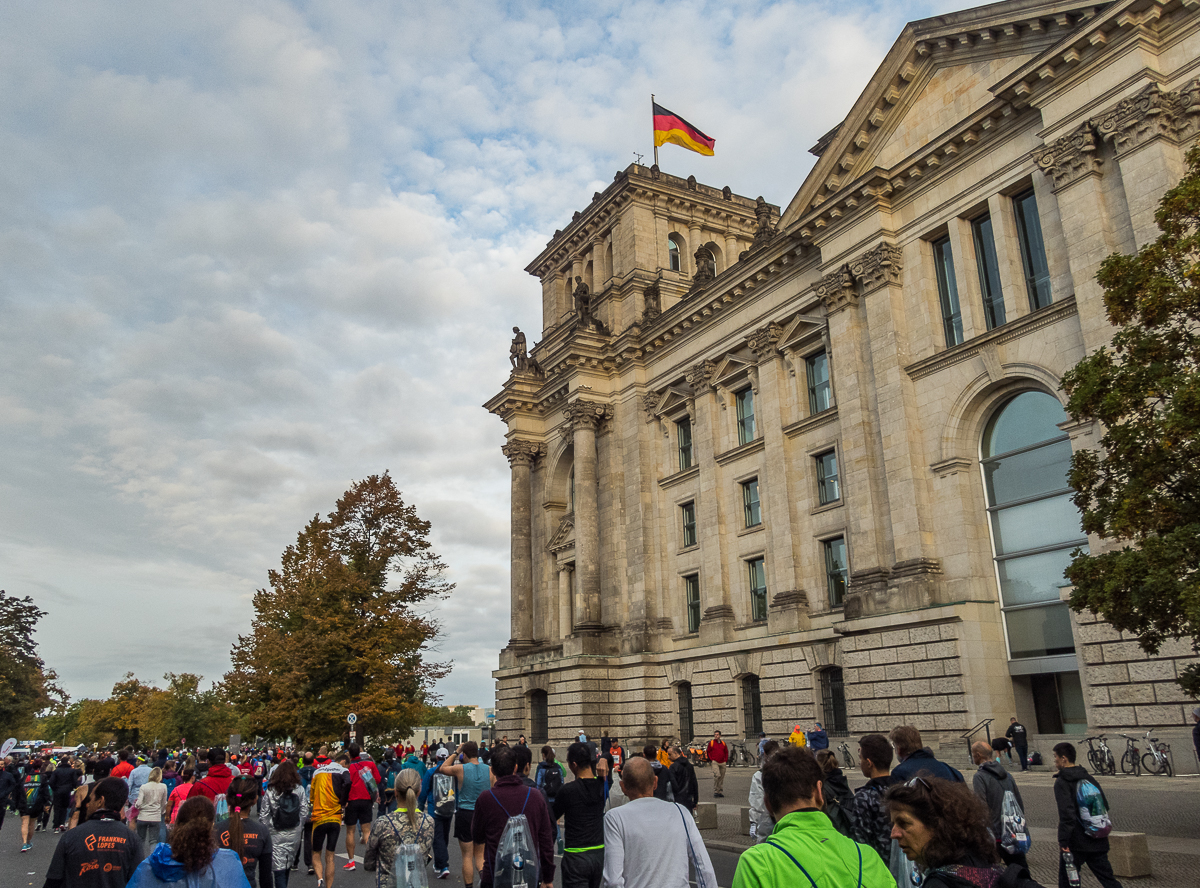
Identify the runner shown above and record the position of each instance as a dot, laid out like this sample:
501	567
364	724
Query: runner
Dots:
365	781
473	778
328	793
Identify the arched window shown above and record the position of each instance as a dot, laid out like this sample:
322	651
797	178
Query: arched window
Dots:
675	252
751	704
683	697
539	717
833	700
1034	524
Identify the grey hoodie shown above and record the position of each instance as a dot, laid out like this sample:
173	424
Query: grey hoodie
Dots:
990	782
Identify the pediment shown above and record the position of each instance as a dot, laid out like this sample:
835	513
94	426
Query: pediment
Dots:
939	72
672	400
564	537
732	368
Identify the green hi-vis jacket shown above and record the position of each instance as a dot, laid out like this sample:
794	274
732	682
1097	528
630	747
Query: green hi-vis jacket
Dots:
830	859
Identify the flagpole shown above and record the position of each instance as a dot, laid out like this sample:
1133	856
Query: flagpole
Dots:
652	131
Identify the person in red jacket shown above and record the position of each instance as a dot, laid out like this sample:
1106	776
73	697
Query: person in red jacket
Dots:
362	799
124	768
718	755
216	782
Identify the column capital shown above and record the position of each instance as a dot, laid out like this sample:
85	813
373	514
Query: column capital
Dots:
876	267
521	451
587	414
1070	158
764	341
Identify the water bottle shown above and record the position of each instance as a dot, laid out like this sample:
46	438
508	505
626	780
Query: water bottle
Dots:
1068	860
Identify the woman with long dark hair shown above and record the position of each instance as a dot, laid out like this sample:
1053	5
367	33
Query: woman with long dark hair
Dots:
247	837
943	828
284	808
190	858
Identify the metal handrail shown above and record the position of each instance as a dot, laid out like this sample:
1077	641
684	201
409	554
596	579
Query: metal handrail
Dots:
986	724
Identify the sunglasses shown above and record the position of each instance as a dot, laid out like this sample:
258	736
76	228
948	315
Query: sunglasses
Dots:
920	780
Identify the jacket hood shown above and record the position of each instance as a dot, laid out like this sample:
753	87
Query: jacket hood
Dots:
995	769
1072	774
166	867
221	770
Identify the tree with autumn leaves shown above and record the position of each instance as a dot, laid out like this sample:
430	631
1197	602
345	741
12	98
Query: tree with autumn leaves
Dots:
341	628
1141	488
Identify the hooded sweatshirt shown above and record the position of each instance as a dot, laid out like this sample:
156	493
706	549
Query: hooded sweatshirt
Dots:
1070	831
990	783
161	869
215	783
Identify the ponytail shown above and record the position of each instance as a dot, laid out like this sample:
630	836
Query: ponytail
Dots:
242	794
408	780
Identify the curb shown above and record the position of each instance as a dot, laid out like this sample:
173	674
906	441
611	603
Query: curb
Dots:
730	847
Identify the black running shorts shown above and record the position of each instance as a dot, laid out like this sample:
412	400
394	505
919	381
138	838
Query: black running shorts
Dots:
325	836
358	811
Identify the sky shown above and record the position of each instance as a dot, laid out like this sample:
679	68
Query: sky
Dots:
253	251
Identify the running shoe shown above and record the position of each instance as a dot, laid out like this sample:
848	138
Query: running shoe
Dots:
444	874
349	866
26	847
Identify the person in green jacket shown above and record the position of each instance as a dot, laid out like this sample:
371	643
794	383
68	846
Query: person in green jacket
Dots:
804	849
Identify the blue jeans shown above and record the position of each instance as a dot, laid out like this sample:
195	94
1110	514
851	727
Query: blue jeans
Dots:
281	878
441	838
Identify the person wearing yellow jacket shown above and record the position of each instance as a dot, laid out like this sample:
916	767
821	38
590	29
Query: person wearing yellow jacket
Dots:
797	738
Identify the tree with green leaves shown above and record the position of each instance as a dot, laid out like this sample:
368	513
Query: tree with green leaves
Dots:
26	686
1141	488
340	629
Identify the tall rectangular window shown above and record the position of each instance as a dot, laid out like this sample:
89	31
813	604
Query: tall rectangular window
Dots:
684	696
835	570
1033	251
688	514
750	502
989	271
745	415
820	396
943	261
683	434
827	478
691	594
752	704
758	588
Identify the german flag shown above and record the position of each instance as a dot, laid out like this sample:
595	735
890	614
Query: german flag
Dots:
670	127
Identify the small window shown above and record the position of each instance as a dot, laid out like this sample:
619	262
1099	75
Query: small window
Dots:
820	395
745	415
758	588
989	271
691	592
674	254
943	261
827	478
750	502
752	704
683	434
539	717
833	700
683	697
688	513
835	570
1033	251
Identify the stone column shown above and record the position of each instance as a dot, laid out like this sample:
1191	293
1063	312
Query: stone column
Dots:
565	594
521	456
585	417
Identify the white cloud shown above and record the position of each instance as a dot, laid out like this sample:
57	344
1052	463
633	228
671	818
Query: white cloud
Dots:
254	251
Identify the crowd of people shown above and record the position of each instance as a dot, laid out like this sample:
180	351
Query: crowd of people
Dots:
603	818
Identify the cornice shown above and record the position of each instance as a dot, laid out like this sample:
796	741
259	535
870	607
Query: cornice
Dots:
679	477
1043	317
755	446
809	423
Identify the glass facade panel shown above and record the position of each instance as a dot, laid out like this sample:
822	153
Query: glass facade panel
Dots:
1033	251
688	513
989	271
1016	528
1039	631
820	395
1026	474
758	589
1029	418
827	478
835	570
691	591
750	502
943	260
745	416
683	434
1028	579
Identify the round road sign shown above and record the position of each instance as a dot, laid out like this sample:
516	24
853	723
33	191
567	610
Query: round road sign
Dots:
351	718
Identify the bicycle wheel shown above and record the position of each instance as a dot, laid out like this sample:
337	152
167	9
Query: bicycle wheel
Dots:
851	762
1167	766
1150	763
1109	764
1129	763
1095	761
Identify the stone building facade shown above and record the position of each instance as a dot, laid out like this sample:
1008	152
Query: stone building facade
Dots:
771	467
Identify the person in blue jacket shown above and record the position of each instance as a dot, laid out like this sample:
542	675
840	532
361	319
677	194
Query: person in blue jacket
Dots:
441	824
818	739
190	858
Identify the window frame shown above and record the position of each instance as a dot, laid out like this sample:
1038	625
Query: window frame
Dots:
746	427
823	480
683	691
987	262
751	506
756	570
835	601
815	389
1033	278
674	253
751	686
947	284
688	536
687	454
691	600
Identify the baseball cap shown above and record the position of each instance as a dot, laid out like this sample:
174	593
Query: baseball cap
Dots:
442	753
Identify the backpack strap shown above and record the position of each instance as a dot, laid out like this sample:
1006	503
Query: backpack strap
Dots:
857	847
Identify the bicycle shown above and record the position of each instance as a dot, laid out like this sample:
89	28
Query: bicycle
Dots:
748	755
1109	763
1131	762
1157	760
847	756
1101	760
